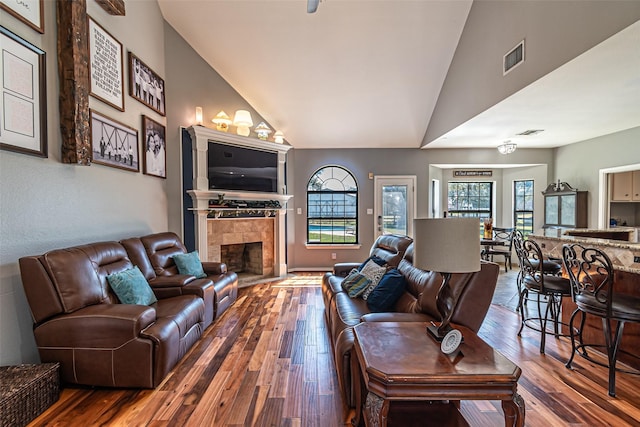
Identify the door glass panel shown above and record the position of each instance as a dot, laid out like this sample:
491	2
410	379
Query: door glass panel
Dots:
394	209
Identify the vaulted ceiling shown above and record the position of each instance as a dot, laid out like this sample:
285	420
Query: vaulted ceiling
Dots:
359	74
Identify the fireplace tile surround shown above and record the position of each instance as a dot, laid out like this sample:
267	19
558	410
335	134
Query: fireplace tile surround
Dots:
242	230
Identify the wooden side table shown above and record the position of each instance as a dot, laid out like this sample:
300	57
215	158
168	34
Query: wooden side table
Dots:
399	362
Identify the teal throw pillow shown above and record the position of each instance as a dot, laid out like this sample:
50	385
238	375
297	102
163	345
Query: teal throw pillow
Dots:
190	264
131	287
355	283
390	288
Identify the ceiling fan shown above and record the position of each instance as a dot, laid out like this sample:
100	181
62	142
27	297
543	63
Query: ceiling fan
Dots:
312	5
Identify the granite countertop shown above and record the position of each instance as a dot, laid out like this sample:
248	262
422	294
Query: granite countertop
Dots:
560	234
622	254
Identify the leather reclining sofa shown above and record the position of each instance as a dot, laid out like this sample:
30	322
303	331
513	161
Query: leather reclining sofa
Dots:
416	304
79	321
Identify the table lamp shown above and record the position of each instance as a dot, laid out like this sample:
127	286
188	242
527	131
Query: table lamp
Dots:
242	120
446	245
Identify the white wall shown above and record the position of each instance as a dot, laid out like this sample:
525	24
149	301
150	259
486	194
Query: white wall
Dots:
45	204
554	31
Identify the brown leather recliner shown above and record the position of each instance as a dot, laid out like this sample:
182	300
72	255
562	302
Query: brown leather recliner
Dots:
416	304
390	247
98	341
154	255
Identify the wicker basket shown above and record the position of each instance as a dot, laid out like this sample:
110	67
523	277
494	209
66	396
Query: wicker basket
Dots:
26	391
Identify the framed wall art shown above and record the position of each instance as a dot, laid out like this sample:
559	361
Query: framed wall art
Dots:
113	143
155	148
105	66
145	85
29	12
23	96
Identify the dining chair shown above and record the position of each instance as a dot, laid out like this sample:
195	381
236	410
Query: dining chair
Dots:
592	280
547	288
505	238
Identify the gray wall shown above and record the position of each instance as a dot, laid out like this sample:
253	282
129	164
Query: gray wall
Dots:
193	83
45	204
580	164
395	162
554	31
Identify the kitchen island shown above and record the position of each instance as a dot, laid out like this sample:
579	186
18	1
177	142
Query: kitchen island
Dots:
625	257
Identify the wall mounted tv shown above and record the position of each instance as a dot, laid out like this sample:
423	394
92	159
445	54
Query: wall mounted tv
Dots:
237	168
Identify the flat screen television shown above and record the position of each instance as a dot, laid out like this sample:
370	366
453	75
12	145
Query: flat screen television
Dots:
237	168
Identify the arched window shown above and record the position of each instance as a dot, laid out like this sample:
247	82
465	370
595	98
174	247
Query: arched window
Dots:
332	207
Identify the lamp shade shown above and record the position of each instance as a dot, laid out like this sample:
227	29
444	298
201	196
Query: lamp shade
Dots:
242	118
447	245
221	118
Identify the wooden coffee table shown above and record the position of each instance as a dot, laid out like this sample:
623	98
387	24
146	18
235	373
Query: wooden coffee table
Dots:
399	362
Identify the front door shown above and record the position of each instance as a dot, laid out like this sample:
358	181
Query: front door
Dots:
394	204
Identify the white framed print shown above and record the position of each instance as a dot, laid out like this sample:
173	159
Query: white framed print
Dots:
105	66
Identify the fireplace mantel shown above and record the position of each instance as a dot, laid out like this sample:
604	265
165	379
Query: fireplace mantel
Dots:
201	195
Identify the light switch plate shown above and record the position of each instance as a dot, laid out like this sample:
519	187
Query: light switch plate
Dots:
299	211
369	211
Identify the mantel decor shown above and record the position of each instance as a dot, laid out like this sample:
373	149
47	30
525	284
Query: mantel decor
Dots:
23	96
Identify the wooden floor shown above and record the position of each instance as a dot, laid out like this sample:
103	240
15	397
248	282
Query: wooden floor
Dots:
267	362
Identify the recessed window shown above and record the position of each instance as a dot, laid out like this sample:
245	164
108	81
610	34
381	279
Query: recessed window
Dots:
470	200
332	207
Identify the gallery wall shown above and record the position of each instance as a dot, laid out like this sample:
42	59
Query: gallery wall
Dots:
45	204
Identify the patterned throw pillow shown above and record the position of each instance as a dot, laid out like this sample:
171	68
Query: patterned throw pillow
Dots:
374	273
355	283
131	287
190	264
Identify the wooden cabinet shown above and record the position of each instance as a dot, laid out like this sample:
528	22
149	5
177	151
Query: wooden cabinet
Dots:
564	206
625	187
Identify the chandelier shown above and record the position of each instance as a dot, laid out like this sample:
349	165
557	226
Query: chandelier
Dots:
507	147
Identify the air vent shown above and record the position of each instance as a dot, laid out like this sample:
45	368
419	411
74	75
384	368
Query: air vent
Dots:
514	58
530	132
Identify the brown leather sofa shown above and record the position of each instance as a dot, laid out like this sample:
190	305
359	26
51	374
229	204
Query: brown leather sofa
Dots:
153	254
417	303
79	322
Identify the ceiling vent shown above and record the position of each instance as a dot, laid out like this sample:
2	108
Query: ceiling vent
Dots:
530	132
513	58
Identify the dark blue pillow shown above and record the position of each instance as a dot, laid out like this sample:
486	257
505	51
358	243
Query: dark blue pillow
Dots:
374	258
383	297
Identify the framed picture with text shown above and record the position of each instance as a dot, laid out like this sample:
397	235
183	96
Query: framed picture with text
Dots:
155	149
105	66
113	143
23	96
145	85
28	11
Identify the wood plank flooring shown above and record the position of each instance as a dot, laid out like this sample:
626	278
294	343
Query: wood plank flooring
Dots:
268	362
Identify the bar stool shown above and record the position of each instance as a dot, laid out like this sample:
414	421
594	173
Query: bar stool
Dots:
592	278
549	286
548	266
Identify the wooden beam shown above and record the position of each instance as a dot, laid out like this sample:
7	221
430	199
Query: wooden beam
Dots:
113	7
73	72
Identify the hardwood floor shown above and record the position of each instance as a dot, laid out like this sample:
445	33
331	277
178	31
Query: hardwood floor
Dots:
268	362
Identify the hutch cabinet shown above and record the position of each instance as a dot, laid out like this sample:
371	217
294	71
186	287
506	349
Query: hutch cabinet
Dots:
564	206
